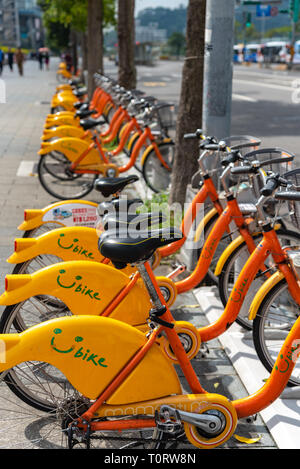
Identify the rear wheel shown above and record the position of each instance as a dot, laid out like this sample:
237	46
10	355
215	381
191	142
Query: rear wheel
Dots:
155	174
39	403
58	181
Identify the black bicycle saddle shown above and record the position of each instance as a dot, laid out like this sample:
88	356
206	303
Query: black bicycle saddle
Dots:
110	186
90	123
125	221
122	250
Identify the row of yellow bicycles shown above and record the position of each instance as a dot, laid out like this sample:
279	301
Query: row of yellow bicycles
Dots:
114	132
90	347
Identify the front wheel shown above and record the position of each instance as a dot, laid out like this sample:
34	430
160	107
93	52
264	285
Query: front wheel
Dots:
59	182
155	174
234	264
275	317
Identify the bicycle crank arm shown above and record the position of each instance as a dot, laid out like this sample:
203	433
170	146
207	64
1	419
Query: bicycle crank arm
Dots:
211	424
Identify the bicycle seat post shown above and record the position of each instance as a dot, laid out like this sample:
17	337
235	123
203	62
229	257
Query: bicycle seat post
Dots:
149	285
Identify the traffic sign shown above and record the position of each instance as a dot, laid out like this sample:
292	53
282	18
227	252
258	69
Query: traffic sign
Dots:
263	10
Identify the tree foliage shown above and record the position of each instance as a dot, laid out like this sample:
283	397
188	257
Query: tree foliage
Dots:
63	15
172	20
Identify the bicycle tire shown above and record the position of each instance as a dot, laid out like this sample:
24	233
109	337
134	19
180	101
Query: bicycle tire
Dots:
155	175
29	381
42	229
241	254
268	340
74	187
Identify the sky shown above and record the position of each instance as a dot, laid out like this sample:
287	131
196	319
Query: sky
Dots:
142	4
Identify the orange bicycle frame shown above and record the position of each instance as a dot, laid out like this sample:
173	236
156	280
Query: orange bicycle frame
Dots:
231	213
269	245
245	406
207	190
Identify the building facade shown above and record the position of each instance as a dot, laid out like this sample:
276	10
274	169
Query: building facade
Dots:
21	24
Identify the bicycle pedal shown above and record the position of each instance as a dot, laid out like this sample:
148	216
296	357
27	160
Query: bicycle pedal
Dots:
250	419
177	271
167	420
204	351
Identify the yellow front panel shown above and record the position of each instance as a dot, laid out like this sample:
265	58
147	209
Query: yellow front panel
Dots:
72	148
89	351
153	378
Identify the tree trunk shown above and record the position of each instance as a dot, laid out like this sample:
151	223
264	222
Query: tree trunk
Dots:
84	52
190	105
94	42
126	44
74	50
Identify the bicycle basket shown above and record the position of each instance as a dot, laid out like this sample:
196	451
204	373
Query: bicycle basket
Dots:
165	113
269	155
294	206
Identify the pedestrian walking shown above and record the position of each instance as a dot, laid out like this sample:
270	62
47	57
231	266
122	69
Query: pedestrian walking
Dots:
47	60
41	60
1	61
20	60
10	59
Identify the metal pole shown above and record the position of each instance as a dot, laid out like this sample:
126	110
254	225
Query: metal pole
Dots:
218	68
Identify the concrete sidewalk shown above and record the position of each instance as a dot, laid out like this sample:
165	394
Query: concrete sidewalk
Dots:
21	123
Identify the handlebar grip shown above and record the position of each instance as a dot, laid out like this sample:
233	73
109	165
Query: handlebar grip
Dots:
288	195
232	157
242	170
197	134
211	146
271	185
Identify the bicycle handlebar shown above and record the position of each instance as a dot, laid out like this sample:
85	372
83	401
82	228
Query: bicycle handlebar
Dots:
288	195
232	157
198	134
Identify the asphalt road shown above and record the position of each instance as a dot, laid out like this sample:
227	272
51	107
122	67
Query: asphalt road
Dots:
265	102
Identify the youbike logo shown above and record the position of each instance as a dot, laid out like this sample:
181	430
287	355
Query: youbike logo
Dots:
2	92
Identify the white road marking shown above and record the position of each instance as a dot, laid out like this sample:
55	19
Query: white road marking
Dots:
240	97
26	168
266	85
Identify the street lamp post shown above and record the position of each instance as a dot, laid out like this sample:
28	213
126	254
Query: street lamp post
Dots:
218	68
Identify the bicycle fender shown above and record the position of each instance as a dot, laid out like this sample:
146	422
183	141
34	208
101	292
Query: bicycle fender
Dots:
68	244
59	114
203	223
64	213
232	246
262	292
64	73
72	148
85	287
89	351
66	102
61	120
63	131
132	140
73	243
227	252
150	148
